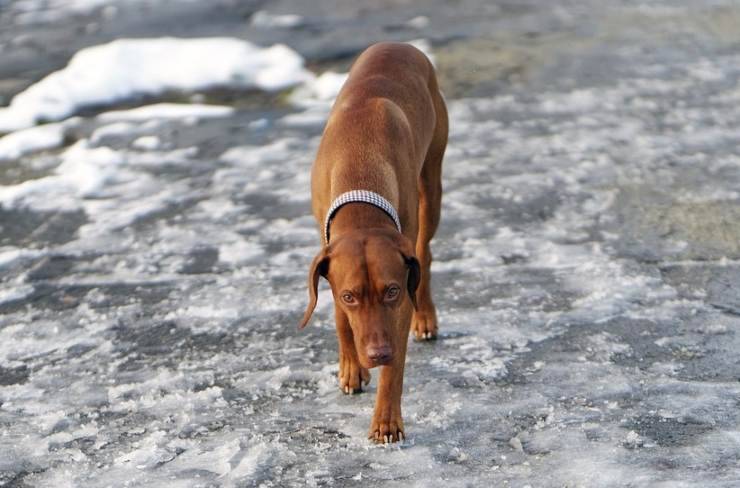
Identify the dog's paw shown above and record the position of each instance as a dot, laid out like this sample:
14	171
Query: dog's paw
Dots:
424	325
386	430
352	376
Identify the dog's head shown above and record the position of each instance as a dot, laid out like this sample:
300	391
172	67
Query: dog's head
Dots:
373	277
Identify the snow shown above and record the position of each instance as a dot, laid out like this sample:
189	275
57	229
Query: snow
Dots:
418	22
167	111
239	252
103	74
147	143
83	172
268	20
112	130
319	90
108	185
17	292
10	255
20	143
29	12
152	278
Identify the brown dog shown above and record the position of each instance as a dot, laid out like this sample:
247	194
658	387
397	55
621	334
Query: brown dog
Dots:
385	137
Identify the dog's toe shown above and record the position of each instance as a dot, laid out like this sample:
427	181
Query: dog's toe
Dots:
351	377
386	431
424	325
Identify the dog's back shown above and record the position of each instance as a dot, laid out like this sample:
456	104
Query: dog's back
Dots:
380	127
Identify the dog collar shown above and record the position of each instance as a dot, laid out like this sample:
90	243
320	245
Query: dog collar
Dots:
363	196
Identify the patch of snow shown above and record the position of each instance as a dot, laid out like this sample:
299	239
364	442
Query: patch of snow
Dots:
516	444
321	90
9	255
576	101
239	252
124	68
84	172
105	183
633	440
167	111
418	22
112	130
17	292
267	20
252	459
26	141
313	117
147	143
254	157
29	12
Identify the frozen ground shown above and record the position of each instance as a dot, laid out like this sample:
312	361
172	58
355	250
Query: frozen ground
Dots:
153	256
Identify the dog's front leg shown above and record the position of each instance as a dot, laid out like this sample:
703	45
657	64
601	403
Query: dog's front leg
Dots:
351	373
387	423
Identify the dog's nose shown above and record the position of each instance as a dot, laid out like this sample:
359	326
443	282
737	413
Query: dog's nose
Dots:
380	354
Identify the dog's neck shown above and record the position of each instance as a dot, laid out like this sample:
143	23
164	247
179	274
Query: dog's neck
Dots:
359	215
368	206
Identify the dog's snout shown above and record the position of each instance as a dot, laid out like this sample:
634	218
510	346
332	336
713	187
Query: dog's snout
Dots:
380	354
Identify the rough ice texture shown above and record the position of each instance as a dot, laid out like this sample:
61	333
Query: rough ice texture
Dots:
31	12
585	273
129	67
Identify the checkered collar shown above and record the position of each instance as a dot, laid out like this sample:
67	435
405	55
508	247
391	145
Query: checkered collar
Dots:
363	196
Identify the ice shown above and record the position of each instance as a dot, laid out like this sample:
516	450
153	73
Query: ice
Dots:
50	11
17	292
153	269
83	172
10	255
103	74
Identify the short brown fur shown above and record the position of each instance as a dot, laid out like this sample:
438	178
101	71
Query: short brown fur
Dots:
386	133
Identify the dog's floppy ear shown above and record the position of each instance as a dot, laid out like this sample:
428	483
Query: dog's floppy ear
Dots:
414	276
319	267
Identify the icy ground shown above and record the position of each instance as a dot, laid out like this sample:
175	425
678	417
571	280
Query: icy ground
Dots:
153	262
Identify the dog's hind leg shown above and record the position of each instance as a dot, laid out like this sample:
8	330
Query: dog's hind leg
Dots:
424	322
351	374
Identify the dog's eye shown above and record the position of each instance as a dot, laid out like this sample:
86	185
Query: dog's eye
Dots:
348	298
392	293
